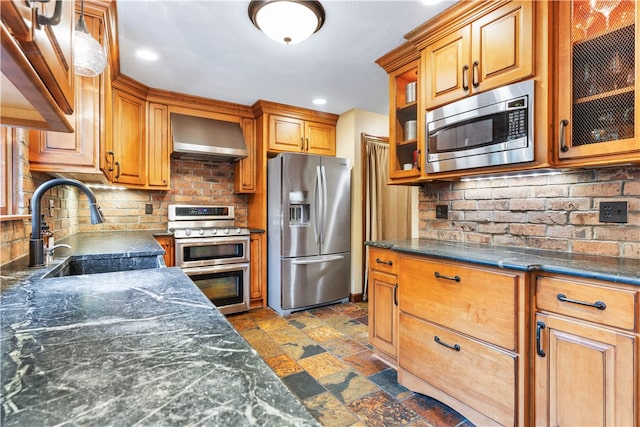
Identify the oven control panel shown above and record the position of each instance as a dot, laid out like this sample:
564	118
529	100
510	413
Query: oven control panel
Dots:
196	213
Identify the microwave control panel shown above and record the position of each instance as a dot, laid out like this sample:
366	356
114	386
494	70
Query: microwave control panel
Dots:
517	121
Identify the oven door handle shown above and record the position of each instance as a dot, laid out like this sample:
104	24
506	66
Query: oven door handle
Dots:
316	260
219	268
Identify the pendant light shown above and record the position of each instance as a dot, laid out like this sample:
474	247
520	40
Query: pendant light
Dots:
89	57
287	21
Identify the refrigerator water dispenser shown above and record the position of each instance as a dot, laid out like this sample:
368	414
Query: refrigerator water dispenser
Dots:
299	214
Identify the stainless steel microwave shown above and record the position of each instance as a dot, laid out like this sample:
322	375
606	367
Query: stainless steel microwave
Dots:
489	129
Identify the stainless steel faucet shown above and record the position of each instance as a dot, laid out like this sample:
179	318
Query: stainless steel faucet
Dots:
36	245
49	252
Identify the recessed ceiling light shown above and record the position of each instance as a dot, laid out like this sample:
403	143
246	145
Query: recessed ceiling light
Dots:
146	55
430	2
319	101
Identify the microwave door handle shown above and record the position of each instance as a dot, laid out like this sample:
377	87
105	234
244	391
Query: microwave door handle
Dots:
465	79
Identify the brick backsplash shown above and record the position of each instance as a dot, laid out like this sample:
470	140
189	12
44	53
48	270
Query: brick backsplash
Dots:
557	212
192	182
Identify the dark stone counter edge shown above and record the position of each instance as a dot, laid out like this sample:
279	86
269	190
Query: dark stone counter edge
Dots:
545	261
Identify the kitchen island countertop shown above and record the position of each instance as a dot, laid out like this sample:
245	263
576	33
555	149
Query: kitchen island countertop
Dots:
140	347
613	269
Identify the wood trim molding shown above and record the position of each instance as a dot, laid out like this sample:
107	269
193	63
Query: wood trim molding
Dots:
267	107
398	57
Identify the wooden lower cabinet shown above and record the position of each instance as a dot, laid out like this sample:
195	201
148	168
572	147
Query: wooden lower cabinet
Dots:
383	303
506	347
167	244
463	337
257	271
584	374
480	376
586	353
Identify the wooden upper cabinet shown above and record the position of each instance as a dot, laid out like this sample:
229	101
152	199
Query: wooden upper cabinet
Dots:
285	128
285	134
158	146
496	49
446	65
244	178
128	153
77	154
597	103
37	66
320	138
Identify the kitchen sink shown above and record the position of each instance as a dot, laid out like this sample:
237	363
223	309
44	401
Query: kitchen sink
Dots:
74	266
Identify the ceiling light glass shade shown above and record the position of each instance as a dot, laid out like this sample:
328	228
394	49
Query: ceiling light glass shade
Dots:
286	21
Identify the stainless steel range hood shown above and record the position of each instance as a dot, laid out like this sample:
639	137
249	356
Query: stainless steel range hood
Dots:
207	138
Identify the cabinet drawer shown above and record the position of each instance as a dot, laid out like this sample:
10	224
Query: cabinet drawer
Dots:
384	260
618	306
480	302
481	376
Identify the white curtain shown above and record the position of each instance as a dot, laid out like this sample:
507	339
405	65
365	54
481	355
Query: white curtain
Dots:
387	207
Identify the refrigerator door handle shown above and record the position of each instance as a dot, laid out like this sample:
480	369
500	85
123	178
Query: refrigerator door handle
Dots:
324	204
316	260
317	227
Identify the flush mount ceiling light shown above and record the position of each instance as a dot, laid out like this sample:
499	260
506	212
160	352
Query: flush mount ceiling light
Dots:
287	21
89	57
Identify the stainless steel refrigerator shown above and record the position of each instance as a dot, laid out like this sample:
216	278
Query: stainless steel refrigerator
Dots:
309	231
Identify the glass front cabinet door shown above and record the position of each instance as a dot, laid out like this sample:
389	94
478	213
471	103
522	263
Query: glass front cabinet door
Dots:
405	124
597	78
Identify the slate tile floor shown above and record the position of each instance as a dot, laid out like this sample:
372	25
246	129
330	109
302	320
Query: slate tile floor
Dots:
323	356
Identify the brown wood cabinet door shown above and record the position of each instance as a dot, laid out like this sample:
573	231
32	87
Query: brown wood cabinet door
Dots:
597	103
245	169
285	134
502	46
159	146
320	138
586	375
257	293
129	139
494	50
76	152
167	244
47	47
383	312
447	68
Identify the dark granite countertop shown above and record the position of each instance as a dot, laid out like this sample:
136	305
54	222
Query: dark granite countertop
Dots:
141	347
618	270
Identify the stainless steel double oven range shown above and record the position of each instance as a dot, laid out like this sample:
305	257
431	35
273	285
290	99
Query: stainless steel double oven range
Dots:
213	252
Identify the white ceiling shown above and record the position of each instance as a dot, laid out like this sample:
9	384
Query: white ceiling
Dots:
210	48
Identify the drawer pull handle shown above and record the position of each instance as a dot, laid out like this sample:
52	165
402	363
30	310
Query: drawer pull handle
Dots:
539	327
442	276
455	347
379	261
598	304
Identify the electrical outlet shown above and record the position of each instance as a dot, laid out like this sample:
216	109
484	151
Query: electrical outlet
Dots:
51	207
442	211
148	209
613	212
